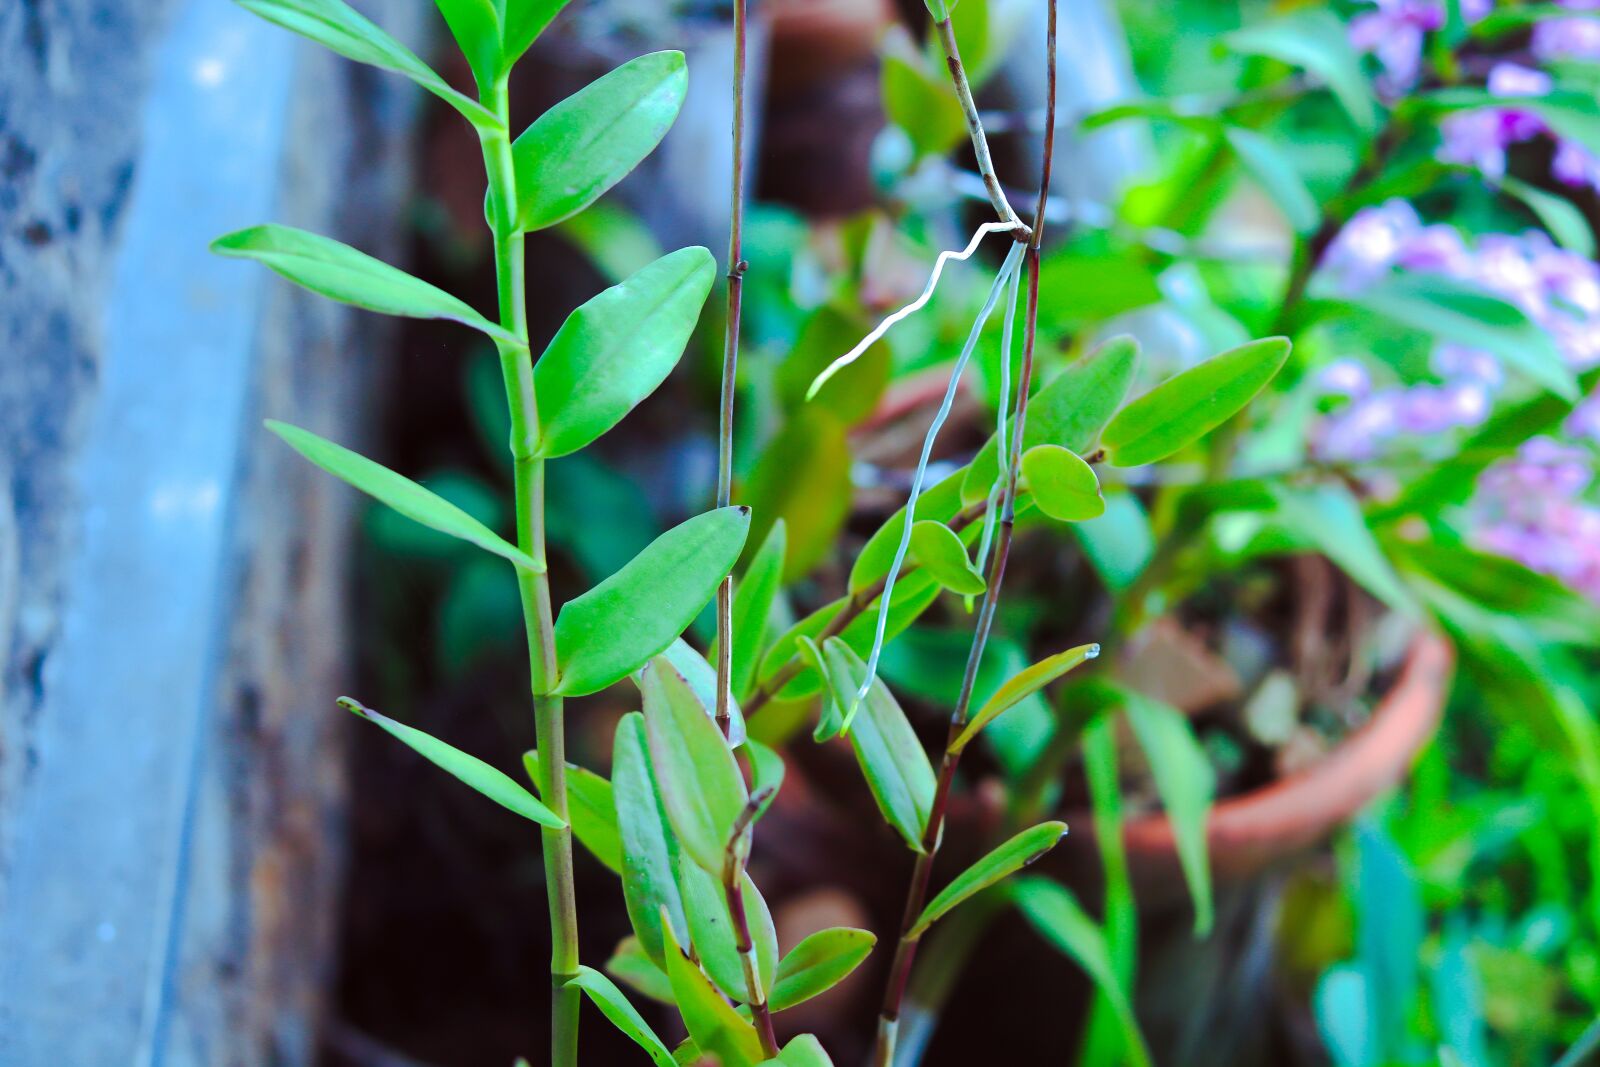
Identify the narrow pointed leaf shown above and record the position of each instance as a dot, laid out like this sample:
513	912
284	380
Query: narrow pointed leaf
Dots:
1186	784
1062	484
1008	858
804	1051
475	24
337	26
1329	516
623	1015
492	783
1316	41
400	493
611	630
591	809
342	273
716	1028
702	678
1021	687
631	964
1191	404
753	597
702	790
937	548
1070	411
819	963
614	351
1275	172
525	20
891	757
705	905
592	139
649	851
1061	920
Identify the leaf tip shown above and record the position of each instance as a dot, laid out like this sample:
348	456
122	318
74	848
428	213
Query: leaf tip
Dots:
355	707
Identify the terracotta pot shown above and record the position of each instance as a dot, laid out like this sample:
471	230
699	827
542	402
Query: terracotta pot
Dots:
1247	834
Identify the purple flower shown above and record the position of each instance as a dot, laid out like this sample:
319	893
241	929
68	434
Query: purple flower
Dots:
1571	38
1575	165
1371	243
1394	34
1479	138
1345	377
1458	363
1584	422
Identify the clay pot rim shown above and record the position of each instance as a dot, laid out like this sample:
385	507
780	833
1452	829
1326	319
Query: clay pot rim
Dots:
1247	832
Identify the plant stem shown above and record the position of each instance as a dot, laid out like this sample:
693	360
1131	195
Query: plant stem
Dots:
980	144
917	892
730	367
733	888
528	475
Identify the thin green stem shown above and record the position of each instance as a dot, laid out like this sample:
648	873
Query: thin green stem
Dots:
538	615
730	368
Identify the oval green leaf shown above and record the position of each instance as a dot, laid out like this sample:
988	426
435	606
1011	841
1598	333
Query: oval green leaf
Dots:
702	678
1058	917
818	963
611	630
614	351
717	1029
804	1051
623	1015
891	757
591	809
1070	411
341	273
1189	405
400	493
938	503
939	550
1021	687
1008	858
702	790
338	27
1062	484
649	851
591	140
630	963
492	783
705	906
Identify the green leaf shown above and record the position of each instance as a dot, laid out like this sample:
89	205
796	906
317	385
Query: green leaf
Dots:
1021	687
938	503
631	964
716	1028
615	349
1316	41
1058	917
1191	404
1557	214
753	597
1070	411
400	493
1062	484
702	790
1186	784
525	20
818	963
804	1051
705	905
1506	587
702	678
766	773
336	25
475	24
1276	173
591	140
802	478
636	613
1341	1004
341	273
624	1016
939	550
591	809
1391	926
649	851
921	105
1009	857
891	757
1469	314
1329	516
494	784
849	395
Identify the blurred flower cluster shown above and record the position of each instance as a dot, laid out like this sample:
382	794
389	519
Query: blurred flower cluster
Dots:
1530	508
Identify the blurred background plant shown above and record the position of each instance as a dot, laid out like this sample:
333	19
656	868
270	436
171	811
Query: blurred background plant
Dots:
1407	189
